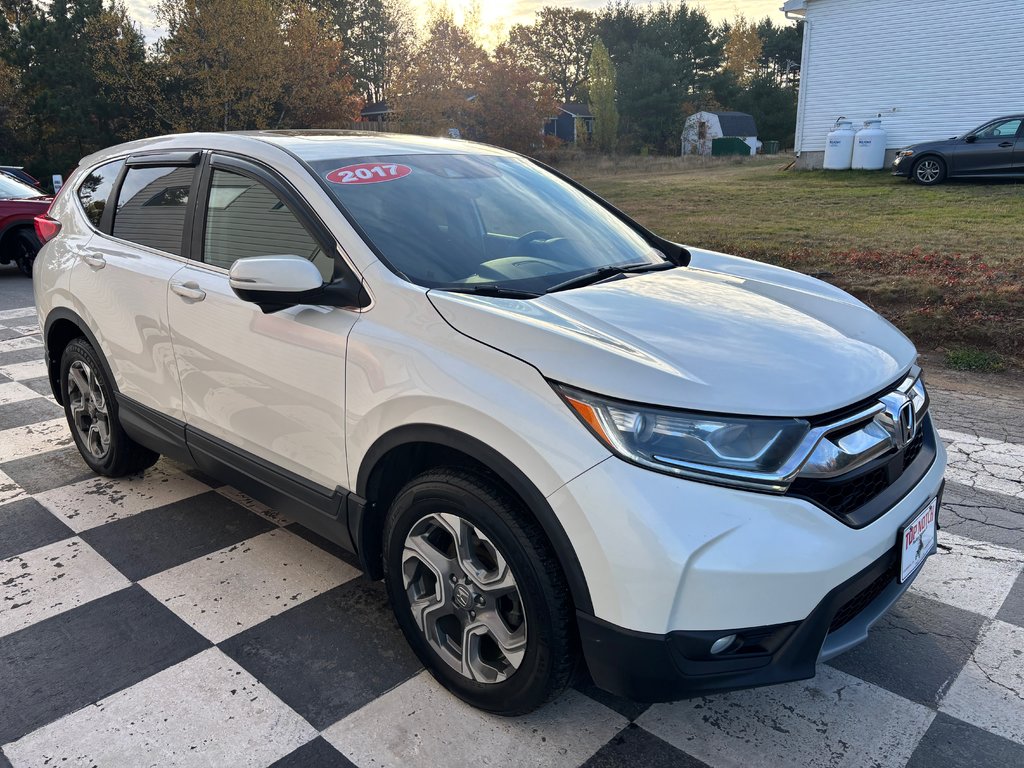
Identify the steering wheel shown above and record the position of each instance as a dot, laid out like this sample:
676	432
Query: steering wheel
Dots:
529	237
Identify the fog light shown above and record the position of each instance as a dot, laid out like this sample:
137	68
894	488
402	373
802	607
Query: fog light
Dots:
722	644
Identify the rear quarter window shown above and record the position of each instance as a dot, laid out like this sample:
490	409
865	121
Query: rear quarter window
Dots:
94	191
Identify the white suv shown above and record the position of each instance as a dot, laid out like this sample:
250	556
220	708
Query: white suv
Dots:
559	438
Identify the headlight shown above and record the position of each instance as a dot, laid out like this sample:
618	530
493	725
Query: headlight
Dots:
905	153
729	450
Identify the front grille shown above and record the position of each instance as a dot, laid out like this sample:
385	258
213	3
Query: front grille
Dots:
849	496
864	598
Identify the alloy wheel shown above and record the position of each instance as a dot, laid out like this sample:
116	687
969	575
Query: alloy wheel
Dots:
464	597
928	171
88	407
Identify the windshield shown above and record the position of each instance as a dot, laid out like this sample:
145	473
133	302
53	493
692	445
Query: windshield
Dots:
465	221
11	188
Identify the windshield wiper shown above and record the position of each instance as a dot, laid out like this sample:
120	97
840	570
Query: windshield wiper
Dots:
604	273
495	291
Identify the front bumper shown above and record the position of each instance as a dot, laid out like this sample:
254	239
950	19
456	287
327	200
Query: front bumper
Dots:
651	668
672	565
902	166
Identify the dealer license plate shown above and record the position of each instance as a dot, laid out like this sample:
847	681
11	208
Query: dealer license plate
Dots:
917	540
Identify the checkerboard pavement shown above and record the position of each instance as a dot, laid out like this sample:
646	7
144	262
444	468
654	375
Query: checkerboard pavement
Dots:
167	619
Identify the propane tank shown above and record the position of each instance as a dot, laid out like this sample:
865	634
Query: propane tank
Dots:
869	146
839	147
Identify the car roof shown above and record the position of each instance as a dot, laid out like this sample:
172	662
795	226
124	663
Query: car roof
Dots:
310	145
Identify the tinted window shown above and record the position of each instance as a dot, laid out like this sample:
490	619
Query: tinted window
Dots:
94	191
12	188
151	207
245	218
452	220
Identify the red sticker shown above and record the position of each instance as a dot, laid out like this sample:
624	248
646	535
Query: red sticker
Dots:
368	173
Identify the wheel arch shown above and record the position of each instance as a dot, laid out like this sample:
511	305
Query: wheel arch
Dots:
12	228
62	326
404	452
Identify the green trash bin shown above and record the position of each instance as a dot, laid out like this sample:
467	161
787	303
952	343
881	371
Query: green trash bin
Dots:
729	147
770	147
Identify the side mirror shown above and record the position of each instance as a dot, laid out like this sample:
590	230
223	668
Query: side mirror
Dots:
970	139
277	282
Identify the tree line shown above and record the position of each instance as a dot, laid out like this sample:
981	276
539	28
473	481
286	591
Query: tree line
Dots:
77	75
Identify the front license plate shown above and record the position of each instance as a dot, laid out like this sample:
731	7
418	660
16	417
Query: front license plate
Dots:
917	540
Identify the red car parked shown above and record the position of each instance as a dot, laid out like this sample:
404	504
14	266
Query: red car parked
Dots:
19	205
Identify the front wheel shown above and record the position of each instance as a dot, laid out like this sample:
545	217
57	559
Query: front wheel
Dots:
929	171
478	592
92	415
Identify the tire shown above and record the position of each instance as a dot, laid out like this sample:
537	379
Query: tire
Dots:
535	615
89	404
929	171
25	248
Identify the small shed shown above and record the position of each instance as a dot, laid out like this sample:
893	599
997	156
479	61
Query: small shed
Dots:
375	112
702	128
570	123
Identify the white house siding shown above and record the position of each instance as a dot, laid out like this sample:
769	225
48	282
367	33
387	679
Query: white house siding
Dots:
931	68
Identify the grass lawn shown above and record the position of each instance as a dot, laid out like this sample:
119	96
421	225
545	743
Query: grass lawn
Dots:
946	264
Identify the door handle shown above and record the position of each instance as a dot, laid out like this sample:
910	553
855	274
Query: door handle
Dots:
97	262
1006	144
189	290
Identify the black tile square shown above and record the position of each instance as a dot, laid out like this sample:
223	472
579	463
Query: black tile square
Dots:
30	411
6	334
330	655
1012	611
163	537
916	650
952	743
992	517
634	747
45	471
316	754
40	385
26	525
631	710
71	660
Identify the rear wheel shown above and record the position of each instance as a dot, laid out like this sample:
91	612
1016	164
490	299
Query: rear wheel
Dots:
929	171
25	248
92	415
478	592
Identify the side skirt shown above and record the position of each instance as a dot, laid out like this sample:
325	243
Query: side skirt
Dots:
318	508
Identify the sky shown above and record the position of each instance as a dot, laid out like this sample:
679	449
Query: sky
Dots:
498	15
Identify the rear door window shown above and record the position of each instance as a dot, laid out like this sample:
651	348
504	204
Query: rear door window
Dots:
94	191
151	207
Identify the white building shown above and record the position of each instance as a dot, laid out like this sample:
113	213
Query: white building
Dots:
702	128
931	68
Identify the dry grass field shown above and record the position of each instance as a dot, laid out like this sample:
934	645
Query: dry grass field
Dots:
946	264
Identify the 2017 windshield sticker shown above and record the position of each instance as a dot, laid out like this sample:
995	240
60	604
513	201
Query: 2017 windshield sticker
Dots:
368	173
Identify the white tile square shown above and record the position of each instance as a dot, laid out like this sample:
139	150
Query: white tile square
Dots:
969	574
229	591
205	711
31	369
19	442
25	330
834	719
12	314
102	500
420	724
9	490
985	463
52	579
989	692
13	392
23	342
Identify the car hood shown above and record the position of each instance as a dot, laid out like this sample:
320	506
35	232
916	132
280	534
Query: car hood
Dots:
725	335
940	144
